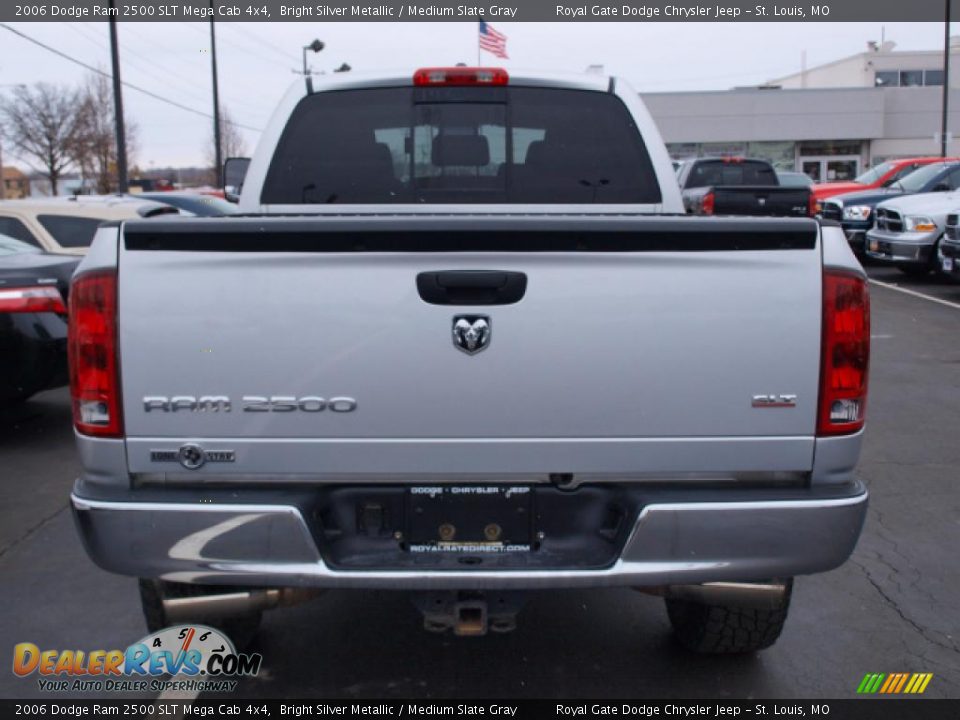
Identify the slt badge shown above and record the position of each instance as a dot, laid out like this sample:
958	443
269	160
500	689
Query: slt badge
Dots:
471	333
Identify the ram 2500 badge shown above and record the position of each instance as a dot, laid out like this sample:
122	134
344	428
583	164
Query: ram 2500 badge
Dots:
463	343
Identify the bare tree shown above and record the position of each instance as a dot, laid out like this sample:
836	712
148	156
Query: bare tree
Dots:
42	124
232	142
96	149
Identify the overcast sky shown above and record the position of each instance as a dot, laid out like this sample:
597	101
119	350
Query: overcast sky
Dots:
256	61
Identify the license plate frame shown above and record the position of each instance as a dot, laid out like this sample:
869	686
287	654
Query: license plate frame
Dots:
470	519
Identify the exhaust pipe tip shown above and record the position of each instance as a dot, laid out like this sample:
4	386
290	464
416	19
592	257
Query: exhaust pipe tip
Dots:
762	596
218	606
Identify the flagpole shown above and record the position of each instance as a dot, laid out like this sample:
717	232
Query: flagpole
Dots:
478	42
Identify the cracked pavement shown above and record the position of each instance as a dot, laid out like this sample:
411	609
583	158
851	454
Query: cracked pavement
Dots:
894	607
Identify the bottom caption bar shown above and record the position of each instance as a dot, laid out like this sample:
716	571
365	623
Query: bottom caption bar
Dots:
874	708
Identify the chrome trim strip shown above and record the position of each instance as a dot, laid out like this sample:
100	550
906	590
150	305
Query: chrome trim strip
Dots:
238	508
87	504
507	455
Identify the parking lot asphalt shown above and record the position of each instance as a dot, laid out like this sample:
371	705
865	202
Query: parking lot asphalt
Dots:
895	607
936	286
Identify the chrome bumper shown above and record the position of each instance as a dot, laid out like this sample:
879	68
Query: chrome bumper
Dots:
271	545
902	248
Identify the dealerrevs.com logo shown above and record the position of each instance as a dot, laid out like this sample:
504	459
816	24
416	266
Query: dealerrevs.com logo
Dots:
183	657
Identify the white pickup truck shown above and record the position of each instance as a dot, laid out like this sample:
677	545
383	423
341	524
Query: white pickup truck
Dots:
462	342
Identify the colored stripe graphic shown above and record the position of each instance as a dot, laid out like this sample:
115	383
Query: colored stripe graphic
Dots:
894	683
897	685
903	680
862	687
870	683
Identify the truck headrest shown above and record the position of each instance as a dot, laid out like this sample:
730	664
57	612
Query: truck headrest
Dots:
448	150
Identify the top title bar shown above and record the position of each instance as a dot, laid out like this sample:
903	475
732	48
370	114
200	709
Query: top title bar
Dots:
440	10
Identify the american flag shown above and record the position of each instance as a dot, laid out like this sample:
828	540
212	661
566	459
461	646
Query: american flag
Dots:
492	41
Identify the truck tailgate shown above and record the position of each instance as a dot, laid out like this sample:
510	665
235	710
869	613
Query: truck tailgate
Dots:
638	346
761	200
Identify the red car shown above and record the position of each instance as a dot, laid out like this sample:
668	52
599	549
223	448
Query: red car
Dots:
878	176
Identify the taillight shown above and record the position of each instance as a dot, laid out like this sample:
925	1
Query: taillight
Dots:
707	205
460	76
92	345
40	299
813	206
845	353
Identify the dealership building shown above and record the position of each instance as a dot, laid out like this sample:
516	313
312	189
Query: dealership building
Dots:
831	122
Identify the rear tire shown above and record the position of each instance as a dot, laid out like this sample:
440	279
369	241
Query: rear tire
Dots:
713	629
240	629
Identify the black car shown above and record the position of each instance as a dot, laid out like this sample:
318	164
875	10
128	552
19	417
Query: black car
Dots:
855	210
193	203
33	319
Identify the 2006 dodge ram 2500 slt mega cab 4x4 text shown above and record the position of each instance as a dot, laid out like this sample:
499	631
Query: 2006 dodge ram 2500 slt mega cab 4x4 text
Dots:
463	342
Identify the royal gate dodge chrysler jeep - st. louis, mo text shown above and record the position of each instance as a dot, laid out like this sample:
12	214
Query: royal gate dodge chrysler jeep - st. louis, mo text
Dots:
461	343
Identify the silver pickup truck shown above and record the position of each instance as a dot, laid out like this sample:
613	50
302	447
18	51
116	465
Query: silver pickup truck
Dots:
908	231
463	343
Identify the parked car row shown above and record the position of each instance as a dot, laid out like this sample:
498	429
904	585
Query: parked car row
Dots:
896	212
855	211
750	186
41	243
879	176
905	221
67	225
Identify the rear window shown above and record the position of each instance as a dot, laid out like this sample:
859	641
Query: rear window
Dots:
461	145
14	228
12	246
918	180
70	231
874	174
725	172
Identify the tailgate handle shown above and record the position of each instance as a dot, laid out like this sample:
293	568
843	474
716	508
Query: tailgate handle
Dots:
471	287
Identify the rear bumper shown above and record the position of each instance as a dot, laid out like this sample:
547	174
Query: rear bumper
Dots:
669	543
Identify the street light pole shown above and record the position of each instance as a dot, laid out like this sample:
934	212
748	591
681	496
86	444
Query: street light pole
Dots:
218	147
946	81
123	184
3	180
316	46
